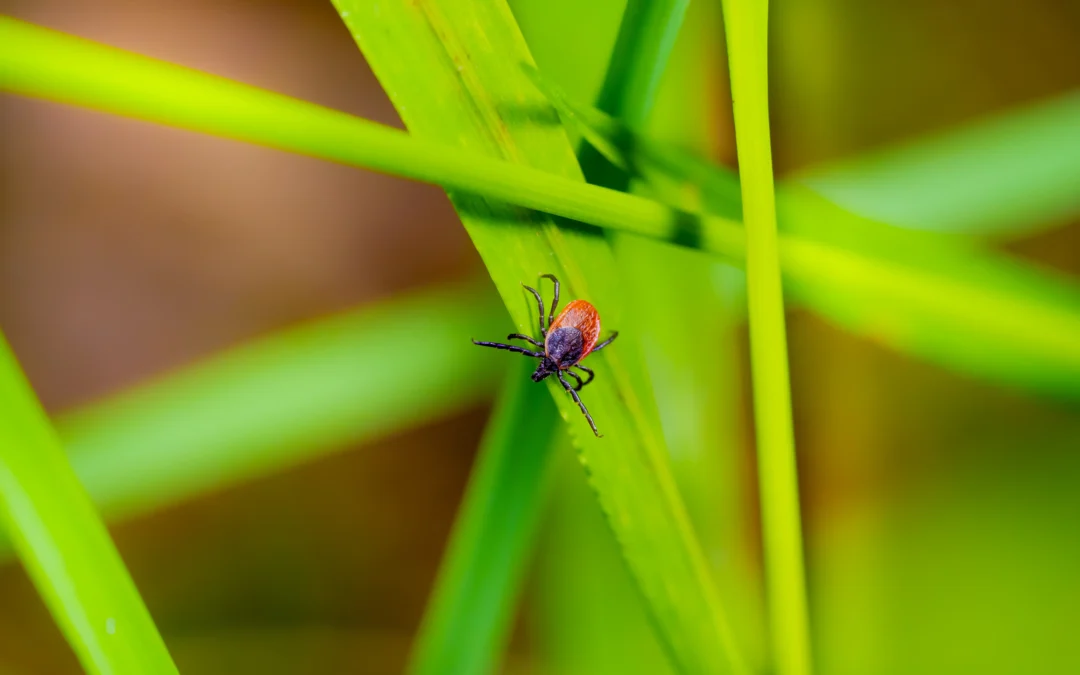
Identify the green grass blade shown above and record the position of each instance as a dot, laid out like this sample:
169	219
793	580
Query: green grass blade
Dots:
746	25
687	303
282	400
642	50
453	72
1023	333
47	64
589	619
64	547
468	618
1011	174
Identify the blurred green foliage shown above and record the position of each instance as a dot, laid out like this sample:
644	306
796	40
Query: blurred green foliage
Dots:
1006	176
288	398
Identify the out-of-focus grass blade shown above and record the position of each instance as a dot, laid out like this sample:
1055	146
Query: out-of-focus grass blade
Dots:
907	279
1011	174
284	399
468	618
638	63
642	50
453	72
64	547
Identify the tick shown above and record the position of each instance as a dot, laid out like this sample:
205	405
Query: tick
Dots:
567	340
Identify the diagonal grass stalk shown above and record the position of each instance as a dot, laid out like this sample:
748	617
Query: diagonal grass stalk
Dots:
468	614
62	543
1027	331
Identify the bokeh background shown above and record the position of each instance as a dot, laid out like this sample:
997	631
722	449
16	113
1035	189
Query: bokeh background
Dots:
941	511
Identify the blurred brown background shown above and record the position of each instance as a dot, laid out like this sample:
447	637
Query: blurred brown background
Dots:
128	249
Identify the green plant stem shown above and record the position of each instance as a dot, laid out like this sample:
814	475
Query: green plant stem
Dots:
62	543
642	51
1026	331
47	64
646	37
746	25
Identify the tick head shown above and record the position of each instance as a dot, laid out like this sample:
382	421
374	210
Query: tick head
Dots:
546	367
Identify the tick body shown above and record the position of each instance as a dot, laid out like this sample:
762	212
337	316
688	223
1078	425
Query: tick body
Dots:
567	340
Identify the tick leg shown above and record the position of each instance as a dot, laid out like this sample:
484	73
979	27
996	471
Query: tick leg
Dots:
605	343
519	336
554	301
589	371
540	304
584	410
574	375
509	348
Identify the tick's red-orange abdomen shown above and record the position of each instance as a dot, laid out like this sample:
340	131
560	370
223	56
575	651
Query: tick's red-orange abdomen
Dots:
583	316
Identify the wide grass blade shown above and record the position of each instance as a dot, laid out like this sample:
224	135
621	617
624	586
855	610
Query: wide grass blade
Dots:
588	618
62	543
463	625
746	26
453	72
688	330
284	399
1009	175
468	618
1023	325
